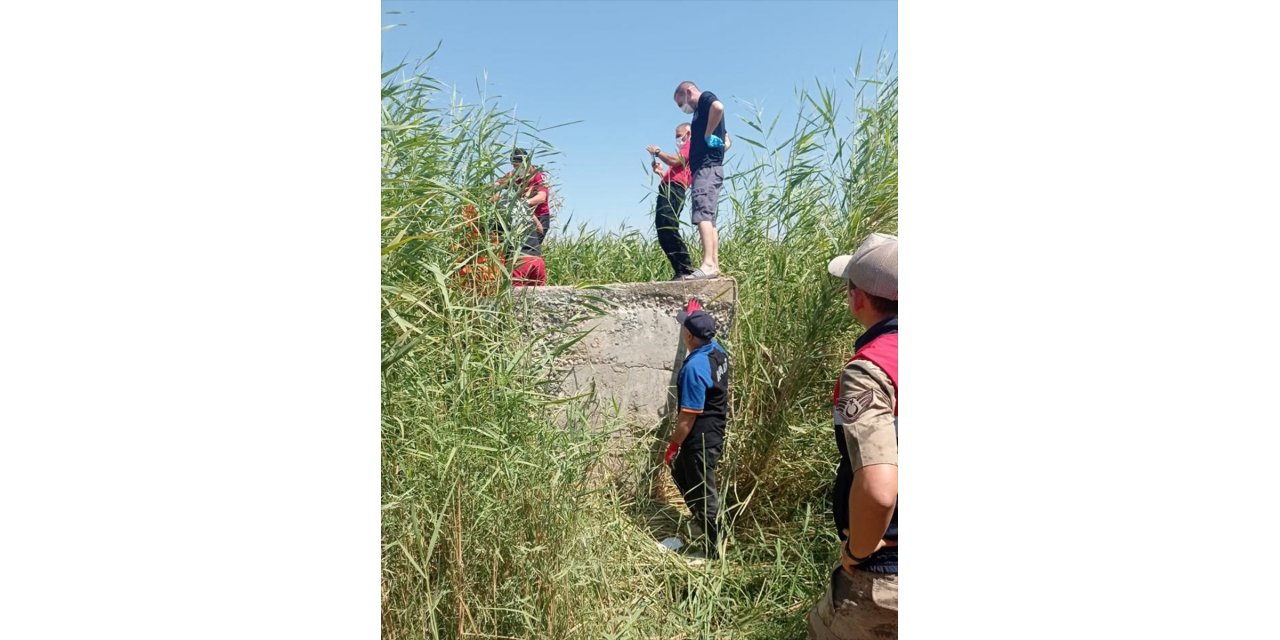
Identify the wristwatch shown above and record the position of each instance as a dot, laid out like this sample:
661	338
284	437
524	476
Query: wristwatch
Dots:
849	553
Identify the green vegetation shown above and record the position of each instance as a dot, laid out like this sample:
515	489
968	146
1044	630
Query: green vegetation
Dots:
490	526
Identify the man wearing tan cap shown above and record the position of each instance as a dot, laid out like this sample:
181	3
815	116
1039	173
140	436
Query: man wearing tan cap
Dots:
861	600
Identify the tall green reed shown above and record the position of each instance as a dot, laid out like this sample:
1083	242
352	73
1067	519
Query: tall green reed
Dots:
491	525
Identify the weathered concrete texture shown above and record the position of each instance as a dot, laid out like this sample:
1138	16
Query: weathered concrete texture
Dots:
629	346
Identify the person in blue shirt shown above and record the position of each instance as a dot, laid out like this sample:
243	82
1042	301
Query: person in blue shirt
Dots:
698	439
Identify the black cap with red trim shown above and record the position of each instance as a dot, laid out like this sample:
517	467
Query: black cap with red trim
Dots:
700	324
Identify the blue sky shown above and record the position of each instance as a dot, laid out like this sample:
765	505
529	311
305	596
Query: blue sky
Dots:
614	66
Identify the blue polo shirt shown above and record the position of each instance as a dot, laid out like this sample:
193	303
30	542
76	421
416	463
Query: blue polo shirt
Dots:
703	389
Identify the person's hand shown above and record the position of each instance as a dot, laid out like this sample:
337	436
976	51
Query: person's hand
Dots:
653	148
714	142
672	449
538	225
493	198
847	562
657	168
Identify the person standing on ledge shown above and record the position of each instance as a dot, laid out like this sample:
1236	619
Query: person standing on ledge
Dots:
706	158
862	598
672	189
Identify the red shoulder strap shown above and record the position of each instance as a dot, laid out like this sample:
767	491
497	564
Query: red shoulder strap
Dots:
883	352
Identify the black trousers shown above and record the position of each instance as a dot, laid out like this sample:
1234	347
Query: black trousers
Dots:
694	471
671	196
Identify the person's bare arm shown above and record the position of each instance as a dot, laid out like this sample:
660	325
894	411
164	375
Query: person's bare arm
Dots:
714	116
674	160
873	496
728	142
537	199
498	185
537	191
684	424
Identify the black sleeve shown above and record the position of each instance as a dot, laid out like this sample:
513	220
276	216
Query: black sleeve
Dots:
721	129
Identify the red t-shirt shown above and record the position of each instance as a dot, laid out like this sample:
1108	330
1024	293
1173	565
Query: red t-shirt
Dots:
680	174
537	182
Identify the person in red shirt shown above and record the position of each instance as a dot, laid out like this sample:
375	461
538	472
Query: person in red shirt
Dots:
671	195
672	190
530	182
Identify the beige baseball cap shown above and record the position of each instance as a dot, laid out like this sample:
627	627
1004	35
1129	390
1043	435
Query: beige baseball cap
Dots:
873	267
